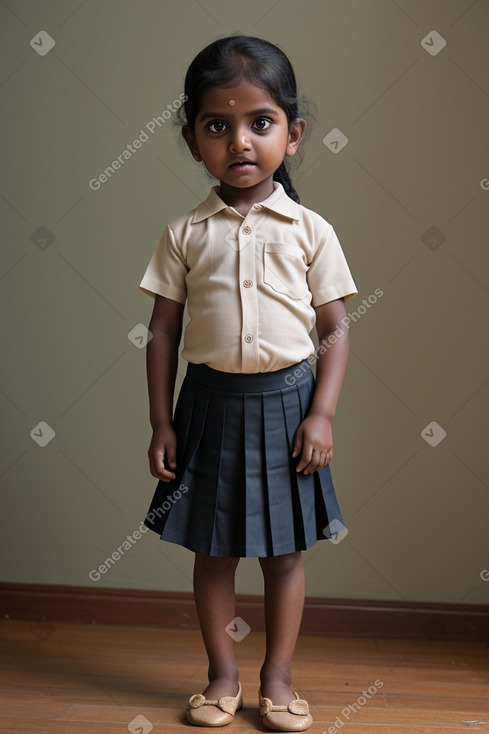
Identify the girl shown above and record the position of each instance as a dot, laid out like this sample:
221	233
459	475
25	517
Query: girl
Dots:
243	468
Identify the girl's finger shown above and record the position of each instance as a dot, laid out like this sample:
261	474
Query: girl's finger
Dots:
305	458
164	475
169	463
297	444
158	469
171	457
318	461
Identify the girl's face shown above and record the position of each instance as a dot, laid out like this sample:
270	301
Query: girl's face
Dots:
242	136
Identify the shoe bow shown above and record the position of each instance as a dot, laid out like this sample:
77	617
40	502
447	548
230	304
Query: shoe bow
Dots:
297	706
226	703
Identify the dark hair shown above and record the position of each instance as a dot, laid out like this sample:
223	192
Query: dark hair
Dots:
260	62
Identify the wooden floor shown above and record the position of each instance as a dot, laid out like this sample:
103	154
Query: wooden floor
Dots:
86	679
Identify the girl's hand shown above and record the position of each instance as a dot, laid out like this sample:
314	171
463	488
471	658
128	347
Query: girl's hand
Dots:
314	443
163	446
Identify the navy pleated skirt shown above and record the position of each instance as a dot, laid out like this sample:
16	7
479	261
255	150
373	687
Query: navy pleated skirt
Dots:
236	490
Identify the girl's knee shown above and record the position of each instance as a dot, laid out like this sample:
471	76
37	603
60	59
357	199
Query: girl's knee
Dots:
281	565
215	564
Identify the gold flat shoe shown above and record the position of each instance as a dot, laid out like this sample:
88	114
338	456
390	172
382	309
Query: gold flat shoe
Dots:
294	717
203	712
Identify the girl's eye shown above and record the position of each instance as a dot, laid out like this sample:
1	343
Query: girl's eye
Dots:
217	126
262	123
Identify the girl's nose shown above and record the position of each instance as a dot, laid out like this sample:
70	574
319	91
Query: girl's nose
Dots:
239	142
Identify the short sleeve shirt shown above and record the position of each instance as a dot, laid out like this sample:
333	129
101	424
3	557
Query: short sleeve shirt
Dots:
250	283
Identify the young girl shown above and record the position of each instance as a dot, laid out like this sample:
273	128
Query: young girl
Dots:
243	468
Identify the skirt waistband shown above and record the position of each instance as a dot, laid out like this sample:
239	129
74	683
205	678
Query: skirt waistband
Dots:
249	382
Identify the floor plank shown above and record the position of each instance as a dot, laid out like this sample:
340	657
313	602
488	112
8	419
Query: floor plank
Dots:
67	678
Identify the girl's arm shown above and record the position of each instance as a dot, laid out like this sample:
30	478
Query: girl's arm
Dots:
161	366
314	438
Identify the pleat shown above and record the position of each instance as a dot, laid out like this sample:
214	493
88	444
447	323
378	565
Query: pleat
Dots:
202	475
277	467
328	512
229	528
258	532
292	416
182	420
305	390
190	429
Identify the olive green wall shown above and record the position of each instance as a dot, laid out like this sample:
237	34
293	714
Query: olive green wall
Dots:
408	195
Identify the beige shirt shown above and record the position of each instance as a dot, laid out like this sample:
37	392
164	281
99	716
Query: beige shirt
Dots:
251	283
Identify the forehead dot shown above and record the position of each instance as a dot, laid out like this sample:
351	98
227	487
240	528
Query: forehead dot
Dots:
231	102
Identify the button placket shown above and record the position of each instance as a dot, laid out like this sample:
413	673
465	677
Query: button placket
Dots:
249	302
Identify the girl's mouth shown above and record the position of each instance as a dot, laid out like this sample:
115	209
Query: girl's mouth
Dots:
242	166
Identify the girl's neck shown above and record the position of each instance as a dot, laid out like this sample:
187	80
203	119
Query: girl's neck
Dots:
242	199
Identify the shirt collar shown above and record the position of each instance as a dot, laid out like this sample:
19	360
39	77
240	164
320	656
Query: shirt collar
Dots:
277	202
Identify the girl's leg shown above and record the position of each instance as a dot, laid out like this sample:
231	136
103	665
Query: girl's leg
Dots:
284	604
214	599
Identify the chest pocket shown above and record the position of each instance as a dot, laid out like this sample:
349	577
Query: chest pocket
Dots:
284	269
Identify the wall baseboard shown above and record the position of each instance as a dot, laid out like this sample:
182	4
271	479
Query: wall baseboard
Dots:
331	617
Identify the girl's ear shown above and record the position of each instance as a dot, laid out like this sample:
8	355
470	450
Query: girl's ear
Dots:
296	133
189	136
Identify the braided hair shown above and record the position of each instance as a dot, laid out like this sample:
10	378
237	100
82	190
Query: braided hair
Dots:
282	176
260	62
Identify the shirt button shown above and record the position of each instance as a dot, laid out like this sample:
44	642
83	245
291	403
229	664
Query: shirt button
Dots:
247	283
248	338
258	206
246	230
